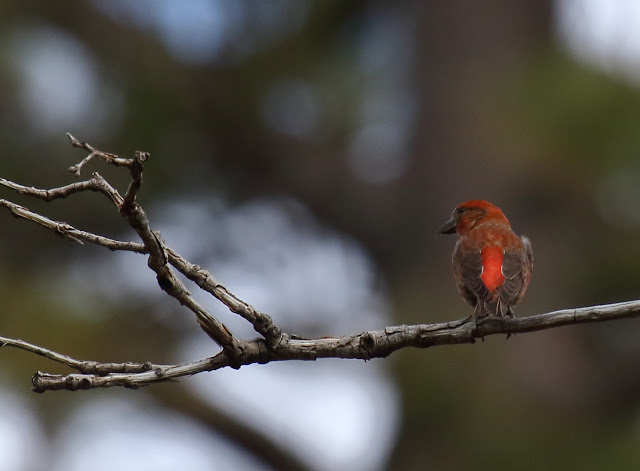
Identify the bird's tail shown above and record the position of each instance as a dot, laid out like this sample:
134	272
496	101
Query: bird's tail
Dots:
497	308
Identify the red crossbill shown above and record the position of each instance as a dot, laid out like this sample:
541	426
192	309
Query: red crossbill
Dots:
492	265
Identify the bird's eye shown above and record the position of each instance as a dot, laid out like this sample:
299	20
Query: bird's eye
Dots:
461	210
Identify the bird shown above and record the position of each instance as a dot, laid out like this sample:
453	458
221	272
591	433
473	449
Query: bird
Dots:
491	264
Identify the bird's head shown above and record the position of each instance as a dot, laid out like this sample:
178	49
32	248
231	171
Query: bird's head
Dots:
468	215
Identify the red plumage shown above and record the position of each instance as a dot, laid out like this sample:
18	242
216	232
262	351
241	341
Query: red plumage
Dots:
491	264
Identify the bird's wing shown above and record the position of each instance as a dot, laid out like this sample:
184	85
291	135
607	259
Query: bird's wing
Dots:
469	267
516	268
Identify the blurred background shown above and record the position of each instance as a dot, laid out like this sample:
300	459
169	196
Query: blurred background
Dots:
306	153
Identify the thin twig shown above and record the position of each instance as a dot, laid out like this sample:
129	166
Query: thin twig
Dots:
106	156
83	366
70	232
135	169
96	183
52	194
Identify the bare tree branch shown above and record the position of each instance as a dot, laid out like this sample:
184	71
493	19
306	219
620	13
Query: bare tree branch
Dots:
362	346
273	345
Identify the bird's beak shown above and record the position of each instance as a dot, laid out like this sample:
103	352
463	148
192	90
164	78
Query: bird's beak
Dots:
449	227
